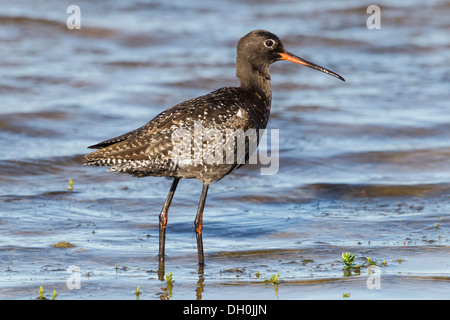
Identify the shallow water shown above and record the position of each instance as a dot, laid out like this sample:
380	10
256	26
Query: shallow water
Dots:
364	166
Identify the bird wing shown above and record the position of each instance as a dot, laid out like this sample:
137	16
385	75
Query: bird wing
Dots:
154	139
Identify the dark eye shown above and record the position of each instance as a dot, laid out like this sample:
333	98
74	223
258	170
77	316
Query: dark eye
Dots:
269	43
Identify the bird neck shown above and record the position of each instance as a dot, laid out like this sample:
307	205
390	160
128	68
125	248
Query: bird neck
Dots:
255	80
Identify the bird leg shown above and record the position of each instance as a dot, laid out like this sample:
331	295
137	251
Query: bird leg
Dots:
198	223
163	219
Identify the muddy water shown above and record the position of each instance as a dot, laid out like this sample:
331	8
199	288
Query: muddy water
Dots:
363	165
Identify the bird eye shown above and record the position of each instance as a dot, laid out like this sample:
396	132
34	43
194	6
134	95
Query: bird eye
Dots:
269	43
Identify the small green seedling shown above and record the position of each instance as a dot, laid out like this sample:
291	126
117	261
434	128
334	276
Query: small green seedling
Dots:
273	279
169	278
349	263
169	286
41	293
138	292
370	262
